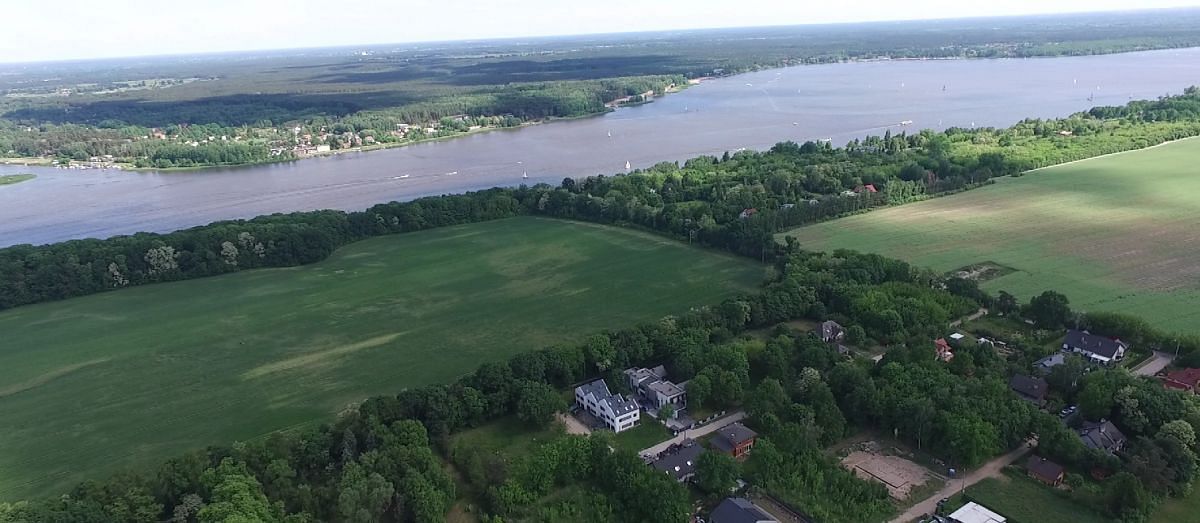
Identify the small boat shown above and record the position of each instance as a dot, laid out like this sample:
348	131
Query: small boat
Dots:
451	173
610	134
525	175
748	84
906	122
795	123
627	166
401	177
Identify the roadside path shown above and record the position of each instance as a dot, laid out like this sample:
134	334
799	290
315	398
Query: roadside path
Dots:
953	486
694	433
1157	362
978	314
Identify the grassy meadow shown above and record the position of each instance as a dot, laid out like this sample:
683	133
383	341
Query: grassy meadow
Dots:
1115	233
125	379
11	179
1023	500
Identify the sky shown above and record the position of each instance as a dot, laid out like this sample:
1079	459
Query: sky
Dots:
78	29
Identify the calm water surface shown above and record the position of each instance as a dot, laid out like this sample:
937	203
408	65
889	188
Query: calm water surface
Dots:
755	110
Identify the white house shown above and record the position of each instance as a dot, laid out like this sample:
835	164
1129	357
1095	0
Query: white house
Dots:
617	412
1097	348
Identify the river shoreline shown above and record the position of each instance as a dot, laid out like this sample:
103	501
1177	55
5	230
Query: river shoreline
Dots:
841	102
609	107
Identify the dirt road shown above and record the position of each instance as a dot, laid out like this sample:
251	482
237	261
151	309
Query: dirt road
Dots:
953	486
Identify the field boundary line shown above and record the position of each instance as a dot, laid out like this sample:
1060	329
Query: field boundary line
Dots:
1168	142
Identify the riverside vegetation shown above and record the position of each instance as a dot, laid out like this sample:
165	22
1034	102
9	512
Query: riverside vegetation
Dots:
379	461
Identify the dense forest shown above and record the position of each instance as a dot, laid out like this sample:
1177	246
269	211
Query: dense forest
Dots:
384	460
77	111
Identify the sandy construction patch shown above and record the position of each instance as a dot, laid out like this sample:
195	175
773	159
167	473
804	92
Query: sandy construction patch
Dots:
899	475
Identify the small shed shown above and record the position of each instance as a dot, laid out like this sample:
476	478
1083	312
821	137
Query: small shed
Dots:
1044	470
973	512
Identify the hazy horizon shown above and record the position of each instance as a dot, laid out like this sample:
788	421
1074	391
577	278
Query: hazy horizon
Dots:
139	29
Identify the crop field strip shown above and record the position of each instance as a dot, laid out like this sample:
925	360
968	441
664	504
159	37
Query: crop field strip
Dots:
1114	233
126	379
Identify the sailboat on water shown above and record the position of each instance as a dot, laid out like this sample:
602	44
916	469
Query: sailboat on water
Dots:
627	166
525	175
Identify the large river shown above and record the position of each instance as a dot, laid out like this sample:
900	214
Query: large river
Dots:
755	110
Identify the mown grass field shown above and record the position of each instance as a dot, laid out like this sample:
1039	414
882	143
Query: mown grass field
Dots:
125	379
1116	233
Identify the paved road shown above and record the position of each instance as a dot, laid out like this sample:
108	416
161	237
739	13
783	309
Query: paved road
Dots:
694	433
990	469
1157	362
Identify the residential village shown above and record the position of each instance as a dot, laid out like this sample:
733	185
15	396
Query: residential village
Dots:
651	397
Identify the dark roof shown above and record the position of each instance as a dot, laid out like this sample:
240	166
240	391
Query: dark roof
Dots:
1030	388
598	388
1043	468
618	403
1044	365
830	329
622	405
732	435
1102	435
679	461
1099	345
739	510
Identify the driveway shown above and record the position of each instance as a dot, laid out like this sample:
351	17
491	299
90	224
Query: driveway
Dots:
990	469
1158	361
574	426
694	433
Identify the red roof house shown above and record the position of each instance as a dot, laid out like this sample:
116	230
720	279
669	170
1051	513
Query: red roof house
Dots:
944	351
865	188
1183	379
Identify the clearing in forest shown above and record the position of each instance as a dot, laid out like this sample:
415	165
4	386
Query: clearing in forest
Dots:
1116	233
125	379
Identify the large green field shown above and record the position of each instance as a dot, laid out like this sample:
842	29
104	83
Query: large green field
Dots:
127	378
1116	233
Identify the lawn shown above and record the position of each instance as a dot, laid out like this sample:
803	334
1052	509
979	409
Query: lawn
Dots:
508	436
10	179
125	379
1176	510
1115	233
1023	500
647	434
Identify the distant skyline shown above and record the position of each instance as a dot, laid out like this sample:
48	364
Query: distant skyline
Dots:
85	29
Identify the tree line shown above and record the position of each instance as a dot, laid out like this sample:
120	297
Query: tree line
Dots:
379	462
